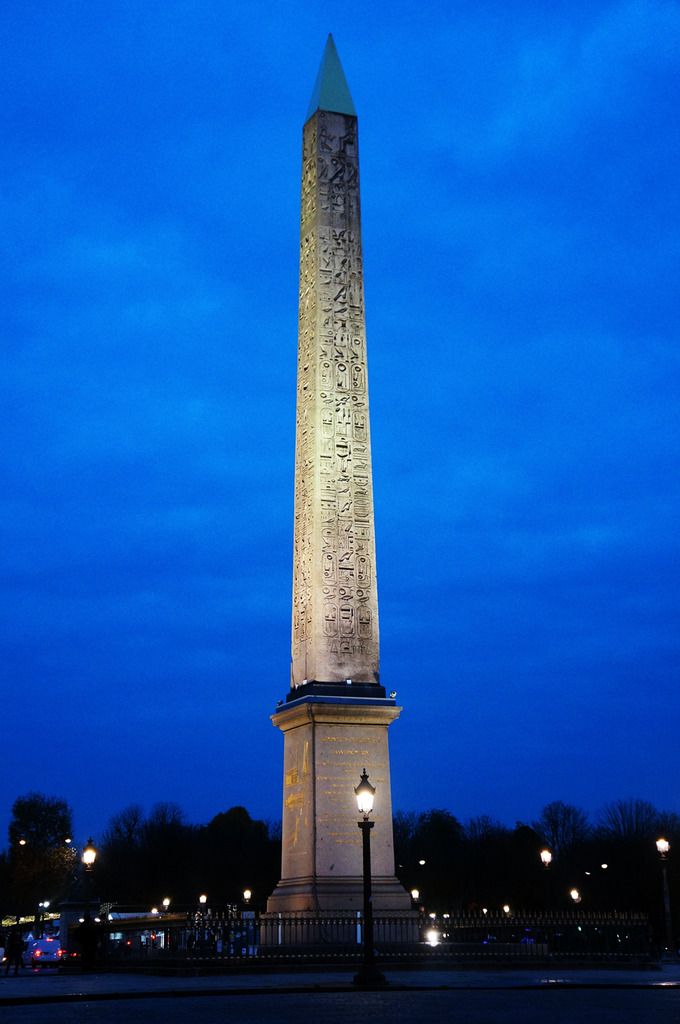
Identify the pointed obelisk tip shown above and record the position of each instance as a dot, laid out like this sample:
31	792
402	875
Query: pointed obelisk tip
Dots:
331	91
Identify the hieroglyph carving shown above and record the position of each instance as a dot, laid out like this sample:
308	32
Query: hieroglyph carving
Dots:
335	608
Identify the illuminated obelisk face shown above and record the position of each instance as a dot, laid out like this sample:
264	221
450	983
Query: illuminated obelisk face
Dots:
335	605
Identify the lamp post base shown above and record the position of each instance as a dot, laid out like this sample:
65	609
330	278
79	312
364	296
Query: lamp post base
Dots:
369	977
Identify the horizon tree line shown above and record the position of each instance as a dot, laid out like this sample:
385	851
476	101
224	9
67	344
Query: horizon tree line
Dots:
612	862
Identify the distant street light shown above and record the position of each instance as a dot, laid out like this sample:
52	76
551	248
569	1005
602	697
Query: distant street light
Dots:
664	848
506	908
166	903
203	899
368	976
546	860
575	895
415	895
247	895
87	858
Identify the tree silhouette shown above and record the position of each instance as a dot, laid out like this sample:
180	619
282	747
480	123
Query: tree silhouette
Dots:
40	861
562	826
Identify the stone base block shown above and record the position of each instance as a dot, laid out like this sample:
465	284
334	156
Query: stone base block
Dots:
313	895
328	742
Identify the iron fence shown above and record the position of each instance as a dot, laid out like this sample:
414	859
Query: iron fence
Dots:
212	938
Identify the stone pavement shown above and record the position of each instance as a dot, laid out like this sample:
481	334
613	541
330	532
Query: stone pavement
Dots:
45	985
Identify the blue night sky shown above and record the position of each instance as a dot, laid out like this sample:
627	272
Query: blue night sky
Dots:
520	207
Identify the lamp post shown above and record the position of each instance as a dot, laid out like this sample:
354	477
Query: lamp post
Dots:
663	849
369	976
88	857
546	860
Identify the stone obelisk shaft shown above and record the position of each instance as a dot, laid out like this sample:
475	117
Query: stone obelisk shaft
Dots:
335	605
332	730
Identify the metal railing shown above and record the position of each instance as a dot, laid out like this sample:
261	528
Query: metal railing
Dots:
212	939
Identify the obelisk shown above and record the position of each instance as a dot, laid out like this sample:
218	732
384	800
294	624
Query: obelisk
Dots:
336	715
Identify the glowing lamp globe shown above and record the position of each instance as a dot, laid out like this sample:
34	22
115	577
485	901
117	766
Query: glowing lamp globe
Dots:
89	854
364	793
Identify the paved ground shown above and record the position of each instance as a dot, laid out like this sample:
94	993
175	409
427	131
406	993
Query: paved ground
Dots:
516	996
473	1006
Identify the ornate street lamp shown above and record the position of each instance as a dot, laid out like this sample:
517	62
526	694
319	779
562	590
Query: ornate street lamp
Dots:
89	855
546	858
663	849
369	976
87	858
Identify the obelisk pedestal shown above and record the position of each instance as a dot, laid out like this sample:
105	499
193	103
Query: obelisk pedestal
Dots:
327	745
336	715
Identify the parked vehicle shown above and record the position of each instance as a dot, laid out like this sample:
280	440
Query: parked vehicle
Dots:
41	952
